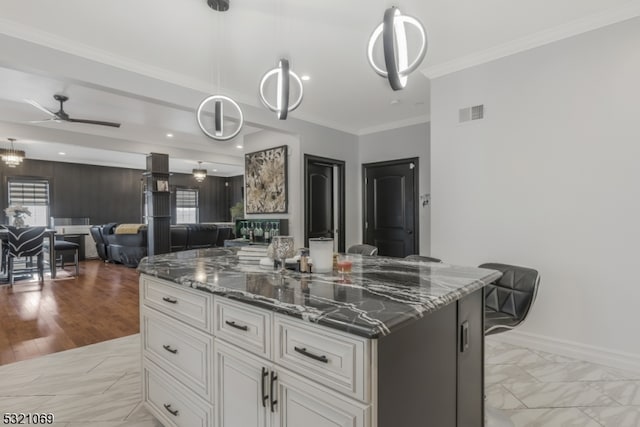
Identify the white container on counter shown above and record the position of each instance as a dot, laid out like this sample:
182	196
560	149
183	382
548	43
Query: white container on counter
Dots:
321	251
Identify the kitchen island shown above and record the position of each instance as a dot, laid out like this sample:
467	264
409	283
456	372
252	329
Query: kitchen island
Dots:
393	343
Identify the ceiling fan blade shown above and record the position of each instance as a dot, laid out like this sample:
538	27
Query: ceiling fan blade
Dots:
45	121
94	122
40	107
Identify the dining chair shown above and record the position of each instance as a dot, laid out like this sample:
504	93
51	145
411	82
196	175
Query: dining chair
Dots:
25	243
508	300
62	247
363	250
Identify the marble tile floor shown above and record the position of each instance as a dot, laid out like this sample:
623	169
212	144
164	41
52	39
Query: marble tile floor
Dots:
99	385
531	388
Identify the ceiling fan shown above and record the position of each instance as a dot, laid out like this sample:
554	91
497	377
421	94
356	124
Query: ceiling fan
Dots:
61	116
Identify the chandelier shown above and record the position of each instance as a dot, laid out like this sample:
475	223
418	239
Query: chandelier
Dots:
199	174
11	156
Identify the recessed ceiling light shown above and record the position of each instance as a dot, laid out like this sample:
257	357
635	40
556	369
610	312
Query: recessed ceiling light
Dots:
395	101
305	77
215	170
239	146
169	135
62	153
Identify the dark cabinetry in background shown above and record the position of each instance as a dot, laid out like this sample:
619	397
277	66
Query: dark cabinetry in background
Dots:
109	194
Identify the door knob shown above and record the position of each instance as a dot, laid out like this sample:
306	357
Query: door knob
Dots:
409	231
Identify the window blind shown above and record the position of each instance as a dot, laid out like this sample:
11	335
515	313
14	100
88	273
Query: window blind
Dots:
28	192
186	198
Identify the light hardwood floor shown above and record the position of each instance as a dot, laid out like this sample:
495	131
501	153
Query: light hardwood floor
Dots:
99	305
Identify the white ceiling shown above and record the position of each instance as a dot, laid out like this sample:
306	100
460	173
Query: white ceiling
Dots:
117	51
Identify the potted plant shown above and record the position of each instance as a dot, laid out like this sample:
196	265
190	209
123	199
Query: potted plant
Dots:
19	213
237	211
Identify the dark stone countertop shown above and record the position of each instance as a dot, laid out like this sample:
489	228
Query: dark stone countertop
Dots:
380	295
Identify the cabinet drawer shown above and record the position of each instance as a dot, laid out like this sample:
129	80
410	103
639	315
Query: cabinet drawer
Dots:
180	350
192	307
171	403
337	360
241	324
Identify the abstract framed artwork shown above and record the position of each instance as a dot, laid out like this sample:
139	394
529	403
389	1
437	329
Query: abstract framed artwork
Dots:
265	175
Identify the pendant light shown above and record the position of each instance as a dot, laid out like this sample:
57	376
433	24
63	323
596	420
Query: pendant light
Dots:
394	44
283	75
11	156
199	174
218	132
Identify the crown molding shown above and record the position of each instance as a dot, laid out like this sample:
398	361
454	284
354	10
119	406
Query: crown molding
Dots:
52	41
395	125
611	16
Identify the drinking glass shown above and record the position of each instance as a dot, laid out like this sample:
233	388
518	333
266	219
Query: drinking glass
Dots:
283	248
344	264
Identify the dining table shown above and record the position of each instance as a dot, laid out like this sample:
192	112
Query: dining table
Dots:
49	233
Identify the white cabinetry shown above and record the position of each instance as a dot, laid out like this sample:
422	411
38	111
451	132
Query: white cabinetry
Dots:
251	391
210	361
177	350
242	398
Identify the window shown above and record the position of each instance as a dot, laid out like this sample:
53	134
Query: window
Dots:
186	206
33	194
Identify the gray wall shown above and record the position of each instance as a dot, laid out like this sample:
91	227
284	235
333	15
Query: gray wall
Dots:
402	143
108	194
549	179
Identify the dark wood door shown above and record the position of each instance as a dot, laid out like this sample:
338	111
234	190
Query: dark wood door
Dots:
390	207
320	200
324	199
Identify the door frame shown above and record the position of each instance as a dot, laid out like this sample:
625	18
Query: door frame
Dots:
416	197
340	164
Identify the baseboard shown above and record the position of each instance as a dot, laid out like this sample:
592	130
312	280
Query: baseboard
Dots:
599	355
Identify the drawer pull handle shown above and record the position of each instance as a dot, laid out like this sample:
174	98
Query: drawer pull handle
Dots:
169	349
168	408
272	394
304	352
235	325
265	397
170	300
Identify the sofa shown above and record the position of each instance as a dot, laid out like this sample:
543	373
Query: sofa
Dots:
127	243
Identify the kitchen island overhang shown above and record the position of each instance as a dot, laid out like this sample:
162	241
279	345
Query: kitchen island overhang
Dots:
380	295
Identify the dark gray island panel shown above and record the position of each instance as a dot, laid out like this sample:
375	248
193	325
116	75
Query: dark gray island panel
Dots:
431	372
417	373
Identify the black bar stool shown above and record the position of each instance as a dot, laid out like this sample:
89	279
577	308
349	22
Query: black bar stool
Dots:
62	247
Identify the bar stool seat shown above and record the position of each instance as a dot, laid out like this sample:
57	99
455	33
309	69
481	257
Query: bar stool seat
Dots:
62	247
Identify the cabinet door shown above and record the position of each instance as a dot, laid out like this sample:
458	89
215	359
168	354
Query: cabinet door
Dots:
471	360
241	388
303	403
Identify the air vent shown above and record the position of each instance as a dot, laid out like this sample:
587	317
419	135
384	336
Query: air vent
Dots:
471	113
